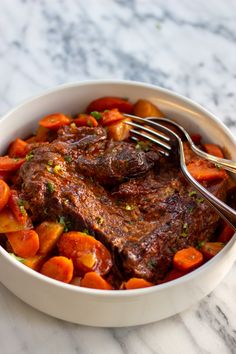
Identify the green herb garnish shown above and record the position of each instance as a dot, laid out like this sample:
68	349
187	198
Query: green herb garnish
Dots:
200	200
99	220
96	115
184	230
68	158
129	207
20	259
50	162
85	231
29	156
144	145
192	193
50	187
65	223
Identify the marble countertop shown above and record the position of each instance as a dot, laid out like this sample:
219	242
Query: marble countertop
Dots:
188	47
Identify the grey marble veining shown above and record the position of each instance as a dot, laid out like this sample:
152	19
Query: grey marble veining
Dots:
185	46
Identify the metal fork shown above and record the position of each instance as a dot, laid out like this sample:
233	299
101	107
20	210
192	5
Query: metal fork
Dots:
169	143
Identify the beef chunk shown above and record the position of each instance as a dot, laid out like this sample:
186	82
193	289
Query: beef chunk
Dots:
113	190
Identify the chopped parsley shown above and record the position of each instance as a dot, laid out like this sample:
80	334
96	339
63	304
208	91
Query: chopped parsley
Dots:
57	169
200	200
50	187
99	220
218	166
68	158
144	145
85	231
89	123
65	223
29	156
20	259
129	207
184	230
192	193
96	115
50	162
20	202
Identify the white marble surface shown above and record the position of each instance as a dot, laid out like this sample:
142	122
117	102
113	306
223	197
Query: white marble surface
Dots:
187	46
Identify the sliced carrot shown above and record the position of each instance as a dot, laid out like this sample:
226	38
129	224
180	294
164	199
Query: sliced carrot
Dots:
18	148
111	116
119	131
8	222
85	120
144	108
42	135
101	104
187	259
10	164
49	233
137	283
87	253
25	243
54	121
226	234
17	207
34	262
214	150
59	268
210	249
202	170
95	281
4	194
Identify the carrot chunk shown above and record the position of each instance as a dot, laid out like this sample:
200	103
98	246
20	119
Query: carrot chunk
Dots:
210	249
202	170
137	283
59	268
10	164
4	194
111	116
101	104
95	281
17	207
54	121
226	234
49	233
25	243
214	150
85	120
87	253
144	108
187	259
172	275
34	262
18	148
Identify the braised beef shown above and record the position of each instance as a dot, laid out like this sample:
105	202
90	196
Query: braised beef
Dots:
136	203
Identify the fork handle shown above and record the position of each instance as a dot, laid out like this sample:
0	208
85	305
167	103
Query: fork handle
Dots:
225	211
226	164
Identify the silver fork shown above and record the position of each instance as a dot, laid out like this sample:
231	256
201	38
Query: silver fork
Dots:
169	143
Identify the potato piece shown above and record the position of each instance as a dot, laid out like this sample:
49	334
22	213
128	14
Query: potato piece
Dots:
119	131
49	233
34	262
8	222
144	108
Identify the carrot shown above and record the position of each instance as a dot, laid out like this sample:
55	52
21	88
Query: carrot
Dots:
187	259
17	207
59	268
87	253
8	222
4	194
34	262
10	164
18	148
144	108
202	170
226	234
111	116
137	283
119	131
95	281
214	150
54	121
101	104
210	249
42	135
85	120
49	233
25	243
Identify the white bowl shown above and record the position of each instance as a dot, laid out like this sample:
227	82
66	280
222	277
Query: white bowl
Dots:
100	307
